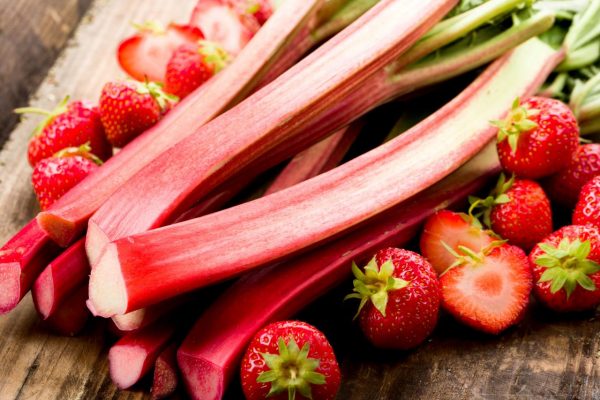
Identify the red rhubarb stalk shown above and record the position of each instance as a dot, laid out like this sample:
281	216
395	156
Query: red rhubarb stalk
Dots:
67	219
209	356
60	278
270	117
315	160
146	268
145	316
166	374
135	353
21	260
71	316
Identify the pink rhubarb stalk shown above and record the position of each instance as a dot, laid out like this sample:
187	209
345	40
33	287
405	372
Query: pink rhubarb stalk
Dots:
271	116
21	261
147	268
135	353
67	219
71	316
209	356
166	374
60	278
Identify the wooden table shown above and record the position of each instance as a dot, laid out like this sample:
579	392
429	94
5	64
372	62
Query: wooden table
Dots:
546	357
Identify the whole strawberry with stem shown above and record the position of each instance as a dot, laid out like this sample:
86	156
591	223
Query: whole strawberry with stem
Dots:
290	360
488	290
69	124
399	299
193	64
537	138
566	269
587	209
448	229
53	177
517	209
128	108
564	186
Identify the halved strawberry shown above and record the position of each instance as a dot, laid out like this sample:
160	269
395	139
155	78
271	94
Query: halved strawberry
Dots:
488	292
447	229
221	23
144	56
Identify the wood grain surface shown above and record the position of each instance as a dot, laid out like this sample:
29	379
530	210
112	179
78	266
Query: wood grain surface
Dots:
546	357
32	33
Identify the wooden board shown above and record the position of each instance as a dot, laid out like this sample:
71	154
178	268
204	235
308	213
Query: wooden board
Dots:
546	357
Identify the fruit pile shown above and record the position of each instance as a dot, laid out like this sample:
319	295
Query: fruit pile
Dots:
133	237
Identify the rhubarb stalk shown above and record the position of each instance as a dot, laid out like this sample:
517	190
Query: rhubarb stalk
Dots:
270	117
21	260
67	219
209	356
166	374
146	268
71	316
135	353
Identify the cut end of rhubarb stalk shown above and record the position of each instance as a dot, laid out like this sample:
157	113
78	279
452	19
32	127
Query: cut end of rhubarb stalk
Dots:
203	379
43	293
166	377
108	294
130	321
125	364
60	230
95	242
10	286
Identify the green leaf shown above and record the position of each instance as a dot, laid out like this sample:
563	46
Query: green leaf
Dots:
502	199
386	270
583	250
570	285
304	390
315	378
547	261
586	282
380	300
357	272
283	349
272	360
550	274
396	283
267	376
589	267
304	351
558	281
513	142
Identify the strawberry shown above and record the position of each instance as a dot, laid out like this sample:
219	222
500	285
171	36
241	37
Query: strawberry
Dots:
259	10
287	358
488	291
447	230
53	177
538	137
221	23
144	56
587	209
566	269
399	299
564	187
129	108
193	64
518	210
68	125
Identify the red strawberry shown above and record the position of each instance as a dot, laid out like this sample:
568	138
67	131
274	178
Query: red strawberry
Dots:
564	187
144	56
488	292
287	358
53	177
221	23
538	137
447	229
259	10
587	209
193	64
68	125
129	108
399	299
566	270
518	210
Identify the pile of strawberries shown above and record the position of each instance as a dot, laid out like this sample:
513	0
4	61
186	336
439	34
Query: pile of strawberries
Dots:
167	64
473	265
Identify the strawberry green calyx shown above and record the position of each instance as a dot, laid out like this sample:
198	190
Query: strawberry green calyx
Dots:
155	90
482	208
567	265
465	255
84	151
153	27
50	115
374	284
516	122
213	54
291	370
252	7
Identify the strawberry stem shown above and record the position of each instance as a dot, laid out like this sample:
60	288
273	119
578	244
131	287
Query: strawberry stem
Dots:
151	26
50	115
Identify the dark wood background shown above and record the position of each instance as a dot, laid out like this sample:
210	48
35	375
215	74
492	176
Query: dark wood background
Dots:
547	357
